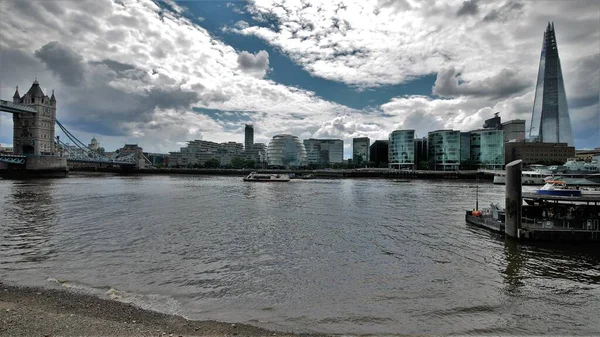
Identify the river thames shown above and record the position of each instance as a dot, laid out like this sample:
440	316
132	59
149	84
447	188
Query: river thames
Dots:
353	256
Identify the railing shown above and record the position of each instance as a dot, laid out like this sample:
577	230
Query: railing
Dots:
16	107
590	224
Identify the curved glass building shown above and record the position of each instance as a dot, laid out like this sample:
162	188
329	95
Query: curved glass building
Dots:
401	149
286	151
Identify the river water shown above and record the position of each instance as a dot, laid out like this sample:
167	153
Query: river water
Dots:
334	256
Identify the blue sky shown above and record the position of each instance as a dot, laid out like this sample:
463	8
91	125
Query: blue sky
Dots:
163	73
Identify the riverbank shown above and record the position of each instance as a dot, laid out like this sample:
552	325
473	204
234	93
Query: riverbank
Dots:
323	174
52	312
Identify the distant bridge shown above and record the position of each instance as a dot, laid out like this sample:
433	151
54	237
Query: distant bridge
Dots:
79	152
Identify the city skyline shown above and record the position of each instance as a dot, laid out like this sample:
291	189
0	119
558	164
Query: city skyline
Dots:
172	73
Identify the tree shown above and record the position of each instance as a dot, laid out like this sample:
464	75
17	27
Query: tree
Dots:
212	163
238	162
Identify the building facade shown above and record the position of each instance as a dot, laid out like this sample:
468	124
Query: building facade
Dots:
421	154
360	149
324	151
487	148
550	121
286	151
198	152
401	150
33	133
538	153
514	130
444	149
248	137
379	153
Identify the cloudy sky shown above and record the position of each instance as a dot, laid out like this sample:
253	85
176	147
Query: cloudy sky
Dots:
160	73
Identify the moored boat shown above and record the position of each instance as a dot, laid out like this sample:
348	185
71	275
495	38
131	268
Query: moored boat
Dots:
263	177
527	178
558	187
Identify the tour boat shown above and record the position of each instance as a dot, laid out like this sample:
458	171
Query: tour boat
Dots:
559	188
261	177
576	179
527	178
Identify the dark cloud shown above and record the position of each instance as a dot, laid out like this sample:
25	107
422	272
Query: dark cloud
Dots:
62	61
114	65
504	84
586	82
256	64
509	10
468	7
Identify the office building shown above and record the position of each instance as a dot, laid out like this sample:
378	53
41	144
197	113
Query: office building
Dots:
444	149
550	121
248	137
197	152
378	152
402	149
538	153
324	151
421	155
286	151
465	146
360	149
514	130
487	148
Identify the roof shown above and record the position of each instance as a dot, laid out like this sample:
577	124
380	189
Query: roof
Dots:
35	90
16	95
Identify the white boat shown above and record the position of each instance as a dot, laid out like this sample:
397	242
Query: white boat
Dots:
527	178
263	177
561	188
577	179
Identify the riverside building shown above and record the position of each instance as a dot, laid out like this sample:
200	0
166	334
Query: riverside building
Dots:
286	151
197	152
379	152
550	121
444	149
402	149
324	151
487	148
360	149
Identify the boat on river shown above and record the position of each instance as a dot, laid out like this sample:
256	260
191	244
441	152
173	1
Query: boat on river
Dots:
559	188
527	178
265	177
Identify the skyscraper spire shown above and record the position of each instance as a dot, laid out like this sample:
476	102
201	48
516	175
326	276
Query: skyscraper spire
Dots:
550	121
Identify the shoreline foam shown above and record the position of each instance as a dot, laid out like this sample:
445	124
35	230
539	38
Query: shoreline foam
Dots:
33	311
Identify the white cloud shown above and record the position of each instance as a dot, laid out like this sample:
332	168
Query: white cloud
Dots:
141	69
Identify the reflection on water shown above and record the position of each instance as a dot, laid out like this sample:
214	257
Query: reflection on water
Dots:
515	260
333	256
27	220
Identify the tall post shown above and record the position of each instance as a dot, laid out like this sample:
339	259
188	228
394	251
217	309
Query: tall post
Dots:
513	198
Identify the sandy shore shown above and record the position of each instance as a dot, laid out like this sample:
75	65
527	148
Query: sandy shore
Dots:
49	312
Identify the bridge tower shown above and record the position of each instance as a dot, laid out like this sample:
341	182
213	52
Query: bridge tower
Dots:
33	133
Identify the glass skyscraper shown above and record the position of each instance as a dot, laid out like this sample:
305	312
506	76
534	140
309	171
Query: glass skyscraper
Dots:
550	121
402	149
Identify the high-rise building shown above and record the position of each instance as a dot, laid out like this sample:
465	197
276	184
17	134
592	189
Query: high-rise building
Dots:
487	148
360	149
421	154
444	149
550	122
514	130
248	137
324	151
379	152
402	149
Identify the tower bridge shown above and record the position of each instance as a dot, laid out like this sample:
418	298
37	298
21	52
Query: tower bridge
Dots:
37	149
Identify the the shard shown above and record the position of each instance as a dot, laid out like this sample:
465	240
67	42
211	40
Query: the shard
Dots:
550	122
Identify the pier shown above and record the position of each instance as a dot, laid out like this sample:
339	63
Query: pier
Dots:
542	217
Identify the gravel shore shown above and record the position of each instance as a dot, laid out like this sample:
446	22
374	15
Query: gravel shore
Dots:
48	312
